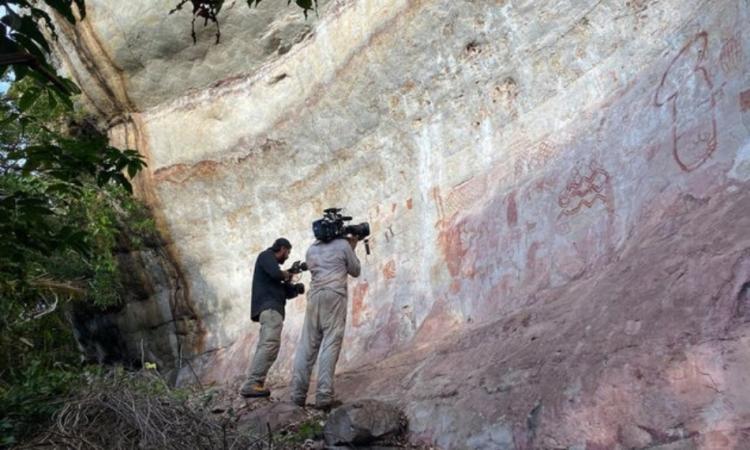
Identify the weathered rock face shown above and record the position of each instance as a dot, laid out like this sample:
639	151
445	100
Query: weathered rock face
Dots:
558	193
156	321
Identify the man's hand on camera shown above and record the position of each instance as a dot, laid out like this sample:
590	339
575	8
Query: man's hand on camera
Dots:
287	275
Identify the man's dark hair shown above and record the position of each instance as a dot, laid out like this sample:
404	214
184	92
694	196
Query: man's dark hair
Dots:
281	243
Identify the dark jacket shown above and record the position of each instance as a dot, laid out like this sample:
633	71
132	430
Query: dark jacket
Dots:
269	290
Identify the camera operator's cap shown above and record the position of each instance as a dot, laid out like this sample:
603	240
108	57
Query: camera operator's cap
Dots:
281	242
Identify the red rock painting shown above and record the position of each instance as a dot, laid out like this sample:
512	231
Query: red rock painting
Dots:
731	55
541	156
687	90
745	101
358	302
512	210
534	158
453	247
389	270
583	190
465	194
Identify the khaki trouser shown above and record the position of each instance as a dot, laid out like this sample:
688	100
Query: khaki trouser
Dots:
269	342
325	320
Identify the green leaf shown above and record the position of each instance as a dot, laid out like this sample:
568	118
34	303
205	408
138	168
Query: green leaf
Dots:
29	98
59	188
122	181
30	29
75	239
41	15
51	101
12	117
133	170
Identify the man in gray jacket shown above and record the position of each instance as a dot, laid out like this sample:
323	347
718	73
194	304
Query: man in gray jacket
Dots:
325	317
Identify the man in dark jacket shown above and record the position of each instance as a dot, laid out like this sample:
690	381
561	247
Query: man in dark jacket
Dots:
270	292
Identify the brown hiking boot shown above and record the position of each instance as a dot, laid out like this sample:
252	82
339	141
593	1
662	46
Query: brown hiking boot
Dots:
254	390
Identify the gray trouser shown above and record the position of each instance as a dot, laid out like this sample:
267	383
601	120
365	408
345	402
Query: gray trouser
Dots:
325	320
269	342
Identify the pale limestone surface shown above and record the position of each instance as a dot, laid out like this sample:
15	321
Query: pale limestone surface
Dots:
509	155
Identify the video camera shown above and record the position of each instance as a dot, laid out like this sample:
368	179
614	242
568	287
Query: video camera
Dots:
332	226
297	268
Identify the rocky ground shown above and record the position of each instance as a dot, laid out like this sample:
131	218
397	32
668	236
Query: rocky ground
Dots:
649	351
119	409
281	424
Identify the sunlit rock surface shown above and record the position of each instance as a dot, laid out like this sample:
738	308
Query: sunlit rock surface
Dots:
558	193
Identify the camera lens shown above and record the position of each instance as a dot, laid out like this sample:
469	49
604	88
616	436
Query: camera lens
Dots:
362	230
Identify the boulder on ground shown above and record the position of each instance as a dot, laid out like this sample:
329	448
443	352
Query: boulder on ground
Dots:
363	422
274	417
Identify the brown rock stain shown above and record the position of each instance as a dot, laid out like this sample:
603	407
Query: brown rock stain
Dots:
409	203
234	217
181	173
144	185
439	322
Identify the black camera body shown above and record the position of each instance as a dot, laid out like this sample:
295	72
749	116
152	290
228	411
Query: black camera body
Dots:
332	226
299	288
297	268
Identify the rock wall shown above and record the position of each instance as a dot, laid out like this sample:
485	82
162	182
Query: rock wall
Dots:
558	193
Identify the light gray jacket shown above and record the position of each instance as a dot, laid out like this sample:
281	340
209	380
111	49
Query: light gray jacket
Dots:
330	263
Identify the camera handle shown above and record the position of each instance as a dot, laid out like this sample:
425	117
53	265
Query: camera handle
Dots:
367	246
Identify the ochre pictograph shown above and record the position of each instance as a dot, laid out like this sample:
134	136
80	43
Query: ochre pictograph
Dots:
358	302
745	101
731	55
465	195
533	158
542	156
389	270
583	190
687	90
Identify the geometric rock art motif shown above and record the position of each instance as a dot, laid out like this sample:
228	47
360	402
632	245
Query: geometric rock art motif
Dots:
584	189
